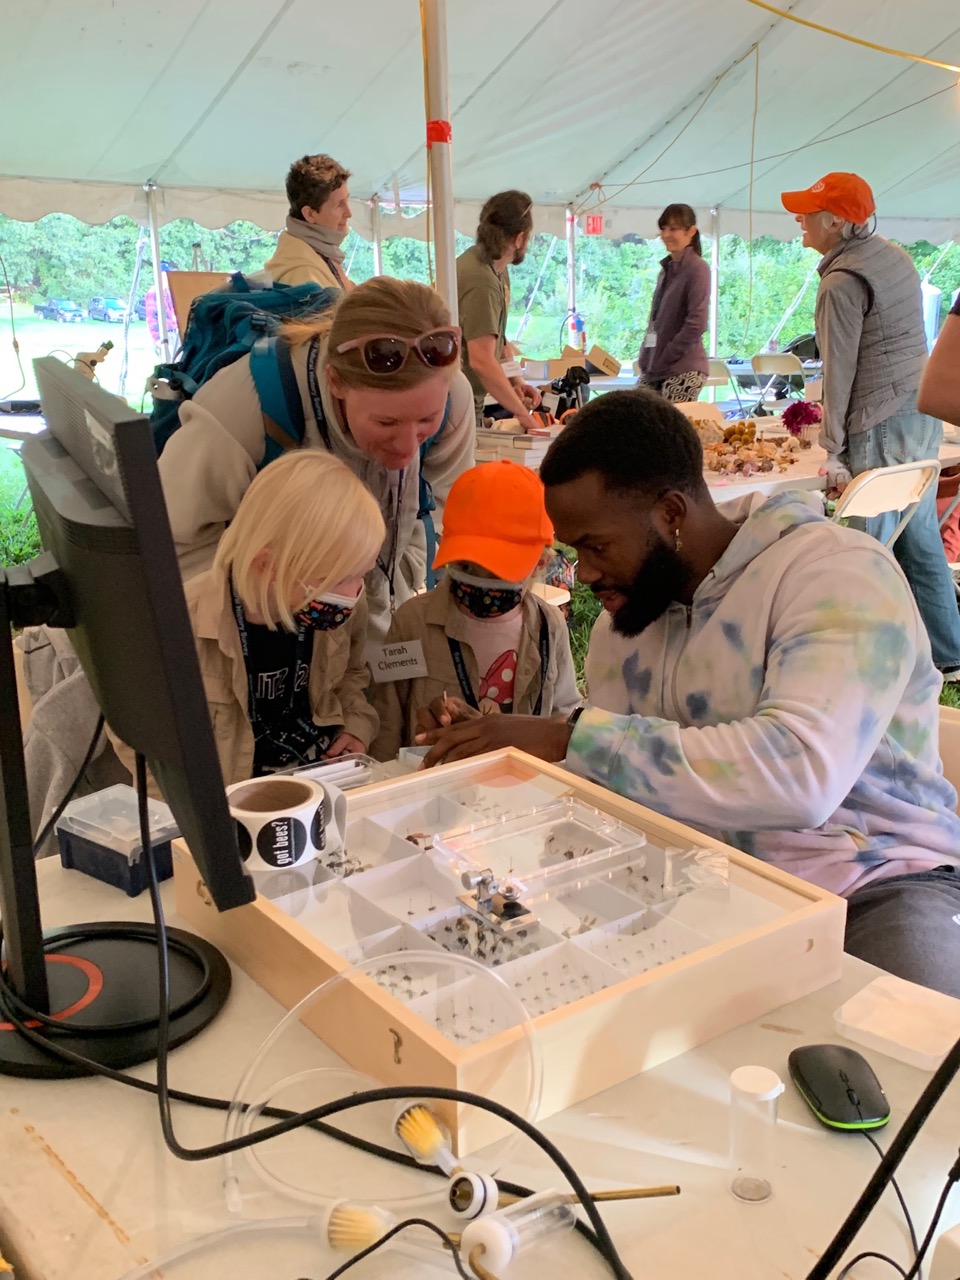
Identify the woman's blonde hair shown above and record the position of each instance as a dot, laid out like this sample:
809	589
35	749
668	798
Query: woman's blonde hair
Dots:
399	308
319	524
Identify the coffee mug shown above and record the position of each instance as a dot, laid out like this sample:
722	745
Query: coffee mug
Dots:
284	822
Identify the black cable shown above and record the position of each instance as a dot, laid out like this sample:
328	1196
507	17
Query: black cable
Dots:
604	1240
869	1254
58	812
395	1231
903	1204
599	1236
952	1178
397	1093
273	1112
888	1166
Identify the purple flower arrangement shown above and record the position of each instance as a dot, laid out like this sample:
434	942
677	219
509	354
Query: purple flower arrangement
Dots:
801	414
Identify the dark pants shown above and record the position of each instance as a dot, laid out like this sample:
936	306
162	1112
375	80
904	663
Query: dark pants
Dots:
910	926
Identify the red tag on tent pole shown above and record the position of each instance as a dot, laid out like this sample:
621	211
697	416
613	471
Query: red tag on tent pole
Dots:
594	224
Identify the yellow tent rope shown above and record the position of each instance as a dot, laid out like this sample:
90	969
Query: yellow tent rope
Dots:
841	35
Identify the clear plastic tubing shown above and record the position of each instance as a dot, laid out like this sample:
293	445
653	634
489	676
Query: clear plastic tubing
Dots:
504	1234
753	1128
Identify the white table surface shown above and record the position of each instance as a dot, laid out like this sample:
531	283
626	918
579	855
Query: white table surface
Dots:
804	474
88	1190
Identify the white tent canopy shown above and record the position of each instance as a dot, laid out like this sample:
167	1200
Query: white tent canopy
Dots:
213	99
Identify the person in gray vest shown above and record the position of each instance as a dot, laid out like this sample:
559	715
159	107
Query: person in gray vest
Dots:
869	322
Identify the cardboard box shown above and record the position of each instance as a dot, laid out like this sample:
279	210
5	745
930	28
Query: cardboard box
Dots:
608	365
547	370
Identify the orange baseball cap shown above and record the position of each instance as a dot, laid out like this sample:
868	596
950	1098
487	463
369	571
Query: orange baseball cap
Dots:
495	516
845	195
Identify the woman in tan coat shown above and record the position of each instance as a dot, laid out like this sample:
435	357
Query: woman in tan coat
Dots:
377	377
280	619
308	251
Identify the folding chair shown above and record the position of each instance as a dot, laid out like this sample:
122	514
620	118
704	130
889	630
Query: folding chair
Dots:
875	493
783	373
950	744
948	499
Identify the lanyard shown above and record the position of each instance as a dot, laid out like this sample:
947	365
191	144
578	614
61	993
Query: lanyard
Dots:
463	678
388	568
303	638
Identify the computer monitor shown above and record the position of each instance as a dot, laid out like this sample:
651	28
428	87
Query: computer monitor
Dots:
100	510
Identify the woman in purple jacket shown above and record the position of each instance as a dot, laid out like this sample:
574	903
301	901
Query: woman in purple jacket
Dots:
672	358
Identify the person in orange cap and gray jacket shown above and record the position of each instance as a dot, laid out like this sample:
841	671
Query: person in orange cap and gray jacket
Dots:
869	322
486	643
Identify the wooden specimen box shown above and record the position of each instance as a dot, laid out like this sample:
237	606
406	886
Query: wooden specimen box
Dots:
642	938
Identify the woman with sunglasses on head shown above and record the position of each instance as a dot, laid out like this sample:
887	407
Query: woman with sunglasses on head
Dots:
378	377
672	358
280	620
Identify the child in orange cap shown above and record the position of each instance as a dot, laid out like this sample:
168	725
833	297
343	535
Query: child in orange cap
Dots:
483	643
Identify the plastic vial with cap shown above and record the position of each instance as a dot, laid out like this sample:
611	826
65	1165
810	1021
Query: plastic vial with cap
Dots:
753	1122
504	1234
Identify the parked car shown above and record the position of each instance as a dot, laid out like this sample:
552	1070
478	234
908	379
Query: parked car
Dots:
61	309
140	310
112	310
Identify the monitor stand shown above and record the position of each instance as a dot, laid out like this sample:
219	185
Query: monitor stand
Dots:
99	980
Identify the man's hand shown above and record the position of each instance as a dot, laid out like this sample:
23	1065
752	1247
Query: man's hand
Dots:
528	394
837	473
345	744
543	736
442	713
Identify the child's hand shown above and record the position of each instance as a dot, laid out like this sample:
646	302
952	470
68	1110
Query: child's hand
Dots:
442	713
345	744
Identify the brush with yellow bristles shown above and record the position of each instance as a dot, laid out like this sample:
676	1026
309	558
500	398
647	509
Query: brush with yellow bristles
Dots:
353	1227
427	1141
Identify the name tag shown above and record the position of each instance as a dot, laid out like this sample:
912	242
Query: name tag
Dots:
650	338
511	369
389	662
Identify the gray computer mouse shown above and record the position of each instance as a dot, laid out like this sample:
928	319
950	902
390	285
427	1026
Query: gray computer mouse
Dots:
839	1087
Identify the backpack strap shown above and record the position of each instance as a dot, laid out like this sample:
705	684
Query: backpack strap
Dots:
428	503
848	271
274	377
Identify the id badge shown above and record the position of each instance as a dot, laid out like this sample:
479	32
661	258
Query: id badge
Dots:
650	339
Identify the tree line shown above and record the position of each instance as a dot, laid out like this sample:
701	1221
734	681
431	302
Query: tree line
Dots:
59	256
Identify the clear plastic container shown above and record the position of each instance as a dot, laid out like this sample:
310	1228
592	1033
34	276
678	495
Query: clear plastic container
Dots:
343	772
502	1235
99	835
557	839
754	1092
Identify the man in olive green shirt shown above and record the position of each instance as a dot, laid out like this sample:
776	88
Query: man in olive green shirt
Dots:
483	295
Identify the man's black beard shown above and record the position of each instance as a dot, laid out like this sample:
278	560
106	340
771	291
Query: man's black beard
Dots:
658	585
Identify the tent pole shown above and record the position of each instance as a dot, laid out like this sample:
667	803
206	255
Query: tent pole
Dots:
377	235
151	190
571	266
714	278
433	17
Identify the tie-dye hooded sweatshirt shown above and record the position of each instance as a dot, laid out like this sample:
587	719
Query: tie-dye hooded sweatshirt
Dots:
791	709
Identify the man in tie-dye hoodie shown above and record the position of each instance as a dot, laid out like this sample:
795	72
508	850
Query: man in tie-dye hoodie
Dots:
760	673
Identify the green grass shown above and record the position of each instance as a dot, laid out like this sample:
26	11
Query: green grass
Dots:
45	337
584	609
19	538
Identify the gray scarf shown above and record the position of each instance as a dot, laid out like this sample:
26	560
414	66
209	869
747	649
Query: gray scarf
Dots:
321	240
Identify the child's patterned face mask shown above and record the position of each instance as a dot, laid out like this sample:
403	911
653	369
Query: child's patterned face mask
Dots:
485	597
326	612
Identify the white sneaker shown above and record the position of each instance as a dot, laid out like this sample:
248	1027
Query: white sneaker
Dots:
951	675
